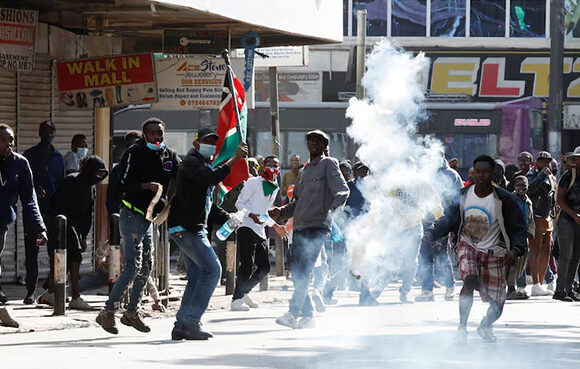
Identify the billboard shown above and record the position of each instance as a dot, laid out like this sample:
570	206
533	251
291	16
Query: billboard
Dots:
107	81
194	82
299	86
499	75
17	38
179	41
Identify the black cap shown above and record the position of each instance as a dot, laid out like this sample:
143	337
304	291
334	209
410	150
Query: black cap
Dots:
204	132
319	133
345	163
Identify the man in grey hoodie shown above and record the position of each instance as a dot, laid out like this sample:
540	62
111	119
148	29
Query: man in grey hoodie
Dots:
320	189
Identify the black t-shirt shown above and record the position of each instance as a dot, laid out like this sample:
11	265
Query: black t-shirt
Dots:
572	197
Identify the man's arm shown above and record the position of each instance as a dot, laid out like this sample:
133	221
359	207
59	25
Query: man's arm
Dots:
128	176
448	223
337	185
536	183
515	226
30	209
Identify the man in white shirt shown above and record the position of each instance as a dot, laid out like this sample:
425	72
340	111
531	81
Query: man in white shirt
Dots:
257	197
491	233
79	149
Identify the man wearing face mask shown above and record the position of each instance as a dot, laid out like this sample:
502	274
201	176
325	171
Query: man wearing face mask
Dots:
47	166
187	228
79	149
79	186
257	197
15	182
147	167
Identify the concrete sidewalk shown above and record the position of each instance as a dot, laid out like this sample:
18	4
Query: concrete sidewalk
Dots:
36	318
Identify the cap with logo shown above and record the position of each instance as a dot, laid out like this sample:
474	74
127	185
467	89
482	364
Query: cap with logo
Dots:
576	152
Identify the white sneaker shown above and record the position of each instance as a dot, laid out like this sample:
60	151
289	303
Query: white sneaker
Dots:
238	305
538	290
306	322
318	303
79	304
288	320
248	300
425	296
449	293
552	285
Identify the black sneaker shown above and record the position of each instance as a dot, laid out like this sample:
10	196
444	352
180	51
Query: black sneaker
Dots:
3	298
573	296
29	299
134	320
193	334
562	296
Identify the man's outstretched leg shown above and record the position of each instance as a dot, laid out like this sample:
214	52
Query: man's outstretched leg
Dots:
465	303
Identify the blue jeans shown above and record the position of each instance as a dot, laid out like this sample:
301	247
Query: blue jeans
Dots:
137	233
435	261
321	272
203	274
306	244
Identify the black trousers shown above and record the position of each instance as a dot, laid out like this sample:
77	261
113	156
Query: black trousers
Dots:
252	250
31	261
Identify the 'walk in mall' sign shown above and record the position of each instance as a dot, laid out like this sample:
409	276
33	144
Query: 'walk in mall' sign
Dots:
17	36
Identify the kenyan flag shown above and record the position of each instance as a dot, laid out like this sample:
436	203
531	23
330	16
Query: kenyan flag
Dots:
229	139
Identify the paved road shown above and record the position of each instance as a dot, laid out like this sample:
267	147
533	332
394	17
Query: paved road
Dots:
538	333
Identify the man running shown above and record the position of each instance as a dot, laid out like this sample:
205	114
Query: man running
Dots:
490	233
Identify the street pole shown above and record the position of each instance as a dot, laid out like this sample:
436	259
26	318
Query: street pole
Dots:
361	35
60	266
554	134
275	123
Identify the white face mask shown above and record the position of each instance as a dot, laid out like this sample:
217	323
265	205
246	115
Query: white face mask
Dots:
82	152
206	150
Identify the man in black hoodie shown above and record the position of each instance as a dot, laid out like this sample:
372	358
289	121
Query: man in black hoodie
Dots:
74	198
187	228
147	167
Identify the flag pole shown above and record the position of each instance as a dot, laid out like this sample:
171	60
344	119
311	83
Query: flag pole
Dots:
230	72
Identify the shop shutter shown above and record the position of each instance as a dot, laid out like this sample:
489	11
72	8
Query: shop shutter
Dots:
8	116
34	106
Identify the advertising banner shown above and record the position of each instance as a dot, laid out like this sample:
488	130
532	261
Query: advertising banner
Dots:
17	37
282	56
194	82
107	81
292	86
498	75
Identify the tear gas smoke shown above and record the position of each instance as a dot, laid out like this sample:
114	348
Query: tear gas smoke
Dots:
403	185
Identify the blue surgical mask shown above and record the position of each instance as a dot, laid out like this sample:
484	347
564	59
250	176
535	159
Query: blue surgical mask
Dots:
206	150
157	146
82	152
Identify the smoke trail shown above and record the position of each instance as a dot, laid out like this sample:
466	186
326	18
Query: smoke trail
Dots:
401	187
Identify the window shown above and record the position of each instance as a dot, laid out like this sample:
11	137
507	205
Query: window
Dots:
345	17
448	18
376	16
461	146
409	18
487	18
572	18
536	130
528	18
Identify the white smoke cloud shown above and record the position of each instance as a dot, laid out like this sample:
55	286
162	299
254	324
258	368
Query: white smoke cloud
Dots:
385	125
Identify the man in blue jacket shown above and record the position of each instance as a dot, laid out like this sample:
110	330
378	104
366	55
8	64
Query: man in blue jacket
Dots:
490	233
16	181
47	165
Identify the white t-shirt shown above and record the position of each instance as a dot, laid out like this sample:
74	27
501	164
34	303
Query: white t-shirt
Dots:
72	161
480	225
253	199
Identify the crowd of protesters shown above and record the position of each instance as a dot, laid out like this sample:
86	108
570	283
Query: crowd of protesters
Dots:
501	229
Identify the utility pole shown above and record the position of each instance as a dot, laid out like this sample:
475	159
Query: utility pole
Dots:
361	36
554	134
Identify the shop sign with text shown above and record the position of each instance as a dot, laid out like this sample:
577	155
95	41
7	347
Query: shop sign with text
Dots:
495	76
17	39
107	81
